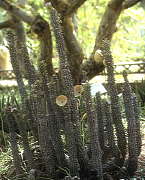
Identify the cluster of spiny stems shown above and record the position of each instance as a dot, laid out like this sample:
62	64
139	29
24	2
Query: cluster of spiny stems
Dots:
71	115
112	91
66	155
134	138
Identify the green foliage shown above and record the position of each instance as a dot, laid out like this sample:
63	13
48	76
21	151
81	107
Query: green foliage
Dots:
128	41
88	19
5	161
5	97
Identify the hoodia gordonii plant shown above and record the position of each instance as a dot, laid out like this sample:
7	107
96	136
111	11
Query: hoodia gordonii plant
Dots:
55	124
45	141
14	56
100	119
70	136
49	132
13	141
25	141
136	111
73	137
111	153
22	126
58	108
112	91
27	70
11	38
44	131
95	161
22	51
110	129
133	136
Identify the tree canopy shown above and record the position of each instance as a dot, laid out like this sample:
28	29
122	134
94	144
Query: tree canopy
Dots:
128	39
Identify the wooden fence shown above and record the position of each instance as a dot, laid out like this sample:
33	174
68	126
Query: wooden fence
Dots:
130	67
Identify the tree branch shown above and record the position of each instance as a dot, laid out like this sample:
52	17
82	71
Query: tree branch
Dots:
42	29
17	12
106	29
108	23
66	7
75	52
60	5
7	24
115	4
75	5
129	3
91	68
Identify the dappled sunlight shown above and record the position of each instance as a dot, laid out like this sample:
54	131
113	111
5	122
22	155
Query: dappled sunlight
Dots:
119	79
8	83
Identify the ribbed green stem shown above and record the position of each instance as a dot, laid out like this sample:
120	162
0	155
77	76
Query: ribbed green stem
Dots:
72	114
46	146
22	53
55	127
110	131
28	153
112	91
136	111
133	147
130	115
14	55
100	120
96	153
